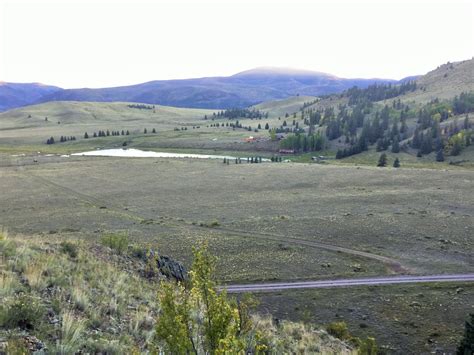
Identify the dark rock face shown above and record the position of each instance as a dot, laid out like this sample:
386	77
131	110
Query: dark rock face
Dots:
164	265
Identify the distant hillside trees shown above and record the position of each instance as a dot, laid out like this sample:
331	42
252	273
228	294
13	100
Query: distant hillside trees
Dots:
303	143
62	139
239	113
463	103
141	106
378	92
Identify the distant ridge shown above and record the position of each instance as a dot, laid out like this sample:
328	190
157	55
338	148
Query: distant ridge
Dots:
16	95
239	90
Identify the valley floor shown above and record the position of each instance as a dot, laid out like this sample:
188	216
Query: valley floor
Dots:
275	222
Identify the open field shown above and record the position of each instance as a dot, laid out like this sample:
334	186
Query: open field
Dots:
270	222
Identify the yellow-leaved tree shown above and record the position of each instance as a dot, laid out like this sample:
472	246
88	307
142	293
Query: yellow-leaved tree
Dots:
199	319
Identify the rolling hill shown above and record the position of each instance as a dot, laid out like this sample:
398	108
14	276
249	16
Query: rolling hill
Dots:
444	82
240	90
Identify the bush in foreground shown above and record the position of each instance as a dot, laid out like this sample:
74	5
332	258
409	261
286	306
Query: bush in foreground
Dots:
201	320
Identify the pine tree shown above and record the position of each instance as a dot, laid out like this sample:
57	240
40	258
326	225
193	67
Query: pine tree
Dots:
456	149
153	130
382	160
86	135
466	347
267	126
395	145
440	156
145	131
396	163
380	144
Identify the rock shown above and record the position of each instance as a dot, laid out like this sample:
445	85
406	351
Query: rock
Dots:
3	346
165	265
33	343
459	290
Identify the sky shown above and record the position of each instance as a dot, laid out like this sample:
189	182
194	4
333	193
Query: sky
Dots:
105	43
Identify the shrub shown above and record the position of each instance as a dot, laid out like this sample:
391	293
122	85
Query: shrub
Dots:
7	247
70	336
117	242
339	330
210	224
24	312
70	249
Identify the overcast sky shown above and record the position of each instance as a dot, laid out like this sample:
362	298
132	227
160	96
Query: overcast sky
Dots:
108	43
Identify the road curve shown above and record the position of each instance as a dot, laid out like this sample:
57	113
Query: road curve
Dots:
371	281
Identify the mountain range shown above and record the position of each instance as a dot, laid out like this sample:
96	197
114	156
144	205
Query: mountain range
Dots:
240	90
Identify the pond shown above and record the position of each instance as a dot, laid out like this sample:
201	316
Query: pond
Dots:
136	153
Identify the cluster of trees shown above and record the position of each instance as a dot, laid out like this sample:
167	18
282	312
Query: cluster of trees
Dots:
383	130
429	136
287	129
383	161
239	113
145	131
250	160
107	133
378	92
142	106
346	122
463	103
457	142
308	103
66	138
63	139
304	143
237	124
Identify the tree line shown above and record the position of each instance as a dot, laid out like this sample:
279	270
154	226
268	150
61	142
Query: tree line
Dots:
233	113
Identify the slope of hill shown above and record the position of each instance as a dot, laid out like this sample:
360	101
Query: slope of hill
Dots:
444	82
281	107
109	289
94	113
239	90
16	95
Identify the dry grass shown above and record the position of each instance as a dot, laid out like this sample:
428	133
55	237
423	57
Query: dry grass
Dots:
297	338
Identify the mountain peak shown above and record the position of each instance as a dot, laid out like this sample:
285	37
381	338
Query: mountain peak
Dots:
282	71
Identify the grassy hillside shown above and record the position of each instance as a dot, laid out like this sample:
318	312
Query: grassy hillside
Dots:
278	108
94	113
62	295
444	82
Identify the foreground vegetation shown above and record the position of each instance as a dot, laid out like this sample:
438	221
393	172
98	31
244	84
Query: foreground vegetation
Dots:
71	296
